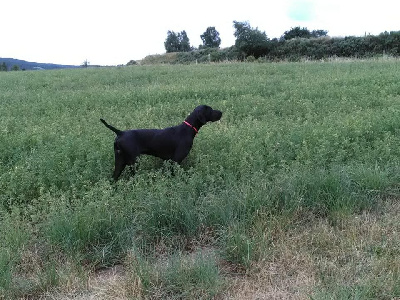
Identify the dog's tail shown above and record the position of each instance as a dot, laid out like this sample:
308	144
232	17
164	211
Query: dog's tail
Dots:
117	131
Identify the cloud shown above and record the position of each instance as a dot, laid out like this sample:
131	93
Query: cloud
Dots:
301	10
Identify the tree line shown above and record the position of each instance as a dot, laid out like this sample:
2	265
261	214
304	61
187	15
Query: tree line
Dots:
4	67
179	42
293	45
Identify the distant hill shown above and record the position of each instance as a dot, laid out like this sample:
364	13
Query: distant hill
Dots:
26	65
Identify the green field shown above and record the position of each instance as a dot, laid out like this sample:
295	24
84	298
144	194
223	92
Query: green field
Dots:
292	194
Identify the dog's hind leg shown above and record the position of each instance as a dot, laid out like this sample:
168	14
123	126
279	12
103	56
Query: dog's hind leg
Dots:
120	162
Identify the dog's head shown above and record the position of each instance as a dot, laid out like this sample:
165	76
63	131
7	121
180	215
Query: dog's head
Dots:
205	113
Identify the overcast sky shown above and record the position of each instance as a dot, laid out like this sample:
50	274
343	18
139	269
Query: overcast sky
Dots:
114	32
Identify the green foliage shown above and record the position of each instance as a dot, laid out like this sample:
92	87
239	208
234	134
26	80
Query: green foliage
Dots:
298	32
196	276
172	42
177	42
15	234
132	63
201	56
295	45
324	48
211	38
206	56
238	246
3	67
97	230
250	41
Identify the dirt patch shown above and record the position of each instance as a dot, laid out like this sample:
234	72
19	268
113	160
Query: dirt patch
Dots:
104	284
290	276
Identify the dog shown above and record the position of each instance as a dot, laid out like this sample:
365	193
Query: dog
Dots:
172	143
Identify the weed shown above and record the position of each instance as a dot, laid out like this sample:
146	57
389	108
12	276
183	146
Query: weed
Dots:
297	142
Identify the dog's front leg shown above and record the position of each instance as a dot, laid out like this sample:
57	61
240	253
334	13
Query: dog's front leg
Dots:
181	152
119	165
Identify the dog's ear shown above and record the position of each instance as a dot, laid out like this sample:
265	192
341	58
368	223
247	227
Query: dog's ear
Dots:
202	117
203	113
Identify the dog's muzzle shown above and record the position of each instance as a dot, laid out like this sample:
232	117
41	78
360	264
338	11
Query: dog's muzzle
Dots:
216	115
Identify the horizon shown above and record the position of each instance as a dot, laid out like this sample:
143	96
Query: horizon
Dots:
23	61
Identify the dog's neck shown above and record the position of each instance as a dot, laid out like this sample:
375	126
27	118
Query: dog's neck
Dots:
194	123
191	126
195	130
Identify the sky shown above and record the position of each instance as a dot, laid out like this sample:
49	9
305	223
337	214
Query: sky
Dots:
115	32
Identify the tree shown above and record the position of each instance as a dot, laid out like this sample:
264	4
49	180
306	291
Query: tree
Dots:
250	41
15	68
3	67
177	42
85	64
298	32
172	42
211	38
319	33
132	63
184	42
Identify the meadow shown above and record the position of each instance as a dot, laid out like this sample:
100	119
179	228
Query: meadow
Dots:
293	194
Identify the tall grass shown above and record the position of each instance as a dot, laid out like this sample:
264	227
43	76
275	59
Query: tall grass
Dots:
295	140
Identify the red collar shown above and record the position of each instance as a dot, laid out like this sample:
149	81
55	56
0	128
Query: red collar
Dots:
191	126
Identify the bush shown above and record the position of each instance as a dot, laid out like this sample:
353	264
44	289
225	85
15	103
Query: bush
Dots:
132	63
294	49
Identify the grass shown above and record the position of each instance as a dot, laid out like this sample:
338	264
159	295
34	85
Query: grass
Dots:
190	277
295	187
315	259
